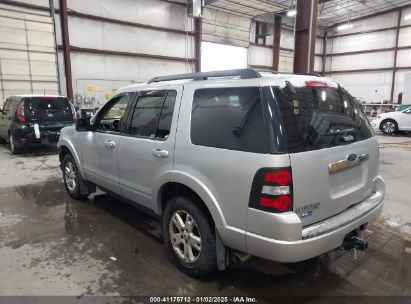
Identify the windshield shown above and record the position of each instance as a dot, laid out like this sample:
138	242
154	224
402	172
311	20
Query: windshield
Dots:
318	118
45	109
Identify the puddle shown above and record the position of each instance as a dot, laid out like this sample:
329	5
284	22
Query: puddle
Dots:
53	245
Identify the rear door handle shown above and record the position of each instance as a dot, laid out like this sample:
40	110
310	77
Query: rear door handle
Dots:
160	153
352	160
109	143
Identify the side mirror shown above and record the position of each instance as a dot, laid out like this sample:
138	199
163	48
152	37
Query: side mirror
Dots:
83	125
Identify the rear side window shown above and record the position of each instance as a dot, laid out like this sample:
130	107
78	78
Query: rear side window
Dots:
229	118
318	118
153	114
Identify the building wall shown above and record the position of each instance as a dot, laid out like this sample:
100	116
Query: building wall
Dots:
368	74
27	52
125	53
137	40
109	55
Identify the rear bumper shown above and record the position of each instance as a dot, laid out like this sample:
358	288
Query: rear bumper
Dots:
318	238
31	141
25	135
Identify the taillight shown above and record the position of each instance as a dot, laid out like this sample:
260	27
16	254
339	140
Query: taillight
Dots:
316	84
20	112
281	203
281	177
272	190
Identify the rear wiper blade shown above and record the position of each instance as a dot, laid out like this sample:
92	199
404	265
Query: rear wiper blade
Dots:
338	132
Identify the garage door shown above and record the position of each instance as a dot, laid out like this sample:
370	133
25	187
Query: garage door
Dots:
225	28
27	52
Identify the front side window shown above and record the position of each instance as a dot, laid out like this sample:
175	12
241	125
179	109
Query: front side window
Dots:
229	118
153	114
112	117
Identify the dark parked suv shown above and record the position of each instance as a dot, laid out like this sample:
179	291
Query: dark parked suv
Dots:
28	120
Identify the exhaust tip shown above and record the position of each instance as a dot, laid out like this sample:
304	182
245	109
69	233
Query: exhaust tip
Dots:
239	258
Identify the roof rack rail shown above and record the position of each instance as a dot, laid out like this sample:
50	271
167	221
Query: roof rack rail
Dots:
242	73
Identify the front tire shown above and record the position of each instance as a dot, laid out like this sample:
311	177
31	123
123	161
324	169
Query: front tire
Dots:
189	237
72	178
389	127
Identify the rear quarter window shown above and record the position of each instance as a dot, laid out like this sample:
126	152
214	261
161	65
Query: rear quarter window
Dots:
229	118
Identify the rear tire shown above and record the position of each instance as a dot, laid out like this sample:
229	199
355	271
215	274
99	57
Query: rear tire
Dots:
389	127
13	149
72	178
189	237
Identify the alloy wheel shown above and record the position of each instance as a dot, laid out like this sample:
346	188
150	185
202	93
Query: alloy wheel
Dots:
185	236
388	127
70	175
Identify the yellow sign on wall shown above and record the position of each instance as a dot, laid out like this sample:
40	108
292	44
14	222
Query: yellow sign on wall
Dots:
107	95
89	89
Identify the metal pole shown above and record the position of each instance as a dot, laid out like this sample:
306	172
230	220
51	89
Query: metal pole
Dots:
324	54
66	48
198	28
2	86
53	17
394	68
305	35
28	56
276	42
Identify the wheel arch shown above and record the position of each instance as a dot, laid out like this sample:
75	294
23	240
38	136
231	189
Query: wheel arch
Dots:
386	119
66	147
182	184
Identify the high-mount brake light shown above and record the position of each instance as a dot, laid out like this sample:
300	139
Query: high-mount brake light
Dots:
316	84
272	190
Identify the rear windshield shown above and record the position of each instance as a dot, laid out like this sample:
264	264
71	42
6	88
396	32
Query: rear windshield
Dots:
43	109
318	118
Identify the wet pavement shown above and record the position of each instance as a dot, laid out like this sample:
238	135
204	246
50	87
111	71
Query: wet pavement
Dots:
53	245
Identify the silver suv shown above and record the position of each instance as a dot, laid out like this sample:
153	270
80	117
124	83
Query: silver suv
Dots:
236	163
